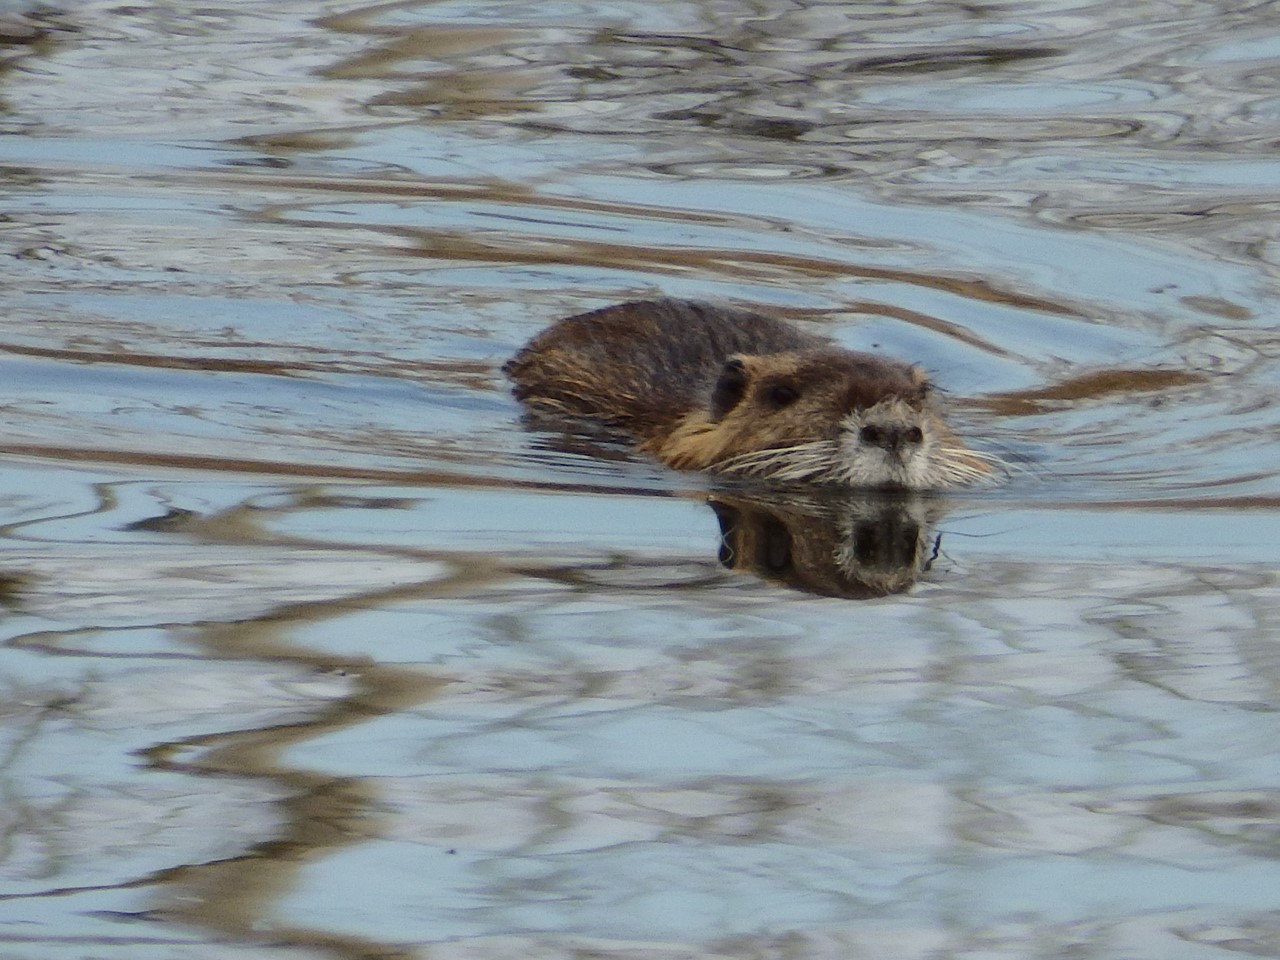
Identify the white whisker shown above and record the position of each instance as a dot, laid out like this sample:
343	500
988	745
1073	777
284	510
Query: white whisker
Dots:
956	465
803	461
828	461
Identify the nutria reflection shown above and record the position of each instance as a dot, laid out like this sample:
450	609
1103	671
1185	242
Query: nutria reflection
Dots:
856	546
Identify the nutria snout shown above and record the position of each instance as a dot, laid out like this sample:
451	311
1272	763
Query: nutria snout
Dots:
735	392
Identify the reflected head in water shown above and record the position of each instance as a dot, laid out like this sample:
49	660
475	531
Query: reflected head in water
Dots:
703	387
854	545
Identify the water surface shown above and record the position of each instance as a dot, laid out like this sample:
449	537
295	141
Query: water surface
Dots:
311	649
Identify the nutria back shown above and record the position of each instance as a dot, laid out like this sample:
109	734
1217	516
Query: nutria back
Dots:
639	367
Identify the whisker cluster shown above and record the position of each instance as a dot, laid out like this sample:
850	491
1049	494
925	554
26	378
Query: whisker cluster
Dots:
952	465
821	461
811	460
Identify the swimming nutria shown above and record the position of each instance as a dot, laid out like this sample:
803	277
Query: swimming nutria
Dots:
736	392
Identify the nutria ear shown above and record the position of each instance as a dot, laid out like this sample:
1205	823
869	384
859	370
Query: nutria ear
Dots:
730	388
920	380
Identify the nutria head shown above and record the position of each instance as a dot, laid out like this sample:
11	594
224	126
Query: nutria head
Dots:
823	415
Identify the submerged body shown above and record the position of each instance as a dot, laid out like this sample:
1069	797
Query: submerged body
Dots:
708	388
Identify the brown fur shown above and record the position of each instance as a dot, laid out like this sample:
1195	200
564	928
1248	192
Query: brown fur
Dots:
704	387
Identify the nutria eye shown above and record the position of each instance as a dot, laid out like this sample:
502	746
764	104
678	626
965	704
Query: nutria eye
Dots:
915	435
783	395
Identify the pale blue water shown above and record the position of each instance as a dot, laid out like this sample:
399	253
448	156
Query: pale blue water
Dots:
309	648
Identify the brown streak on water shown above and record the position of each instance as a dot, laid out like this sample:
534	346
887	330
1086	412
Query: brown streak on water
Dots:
1096	385
316	471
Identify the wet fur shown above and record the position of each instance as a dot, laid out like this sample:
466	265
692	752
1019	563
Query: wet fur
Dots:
661	357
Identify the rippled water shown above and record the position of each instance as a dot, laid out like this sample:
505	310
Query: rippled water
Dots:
311	649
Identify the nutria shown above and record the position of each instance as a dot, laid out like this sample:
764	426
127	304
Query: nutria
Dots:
736	392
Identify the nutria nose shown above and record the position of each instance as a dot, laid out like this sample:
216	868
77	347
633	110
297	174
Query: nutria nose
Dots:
892	439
